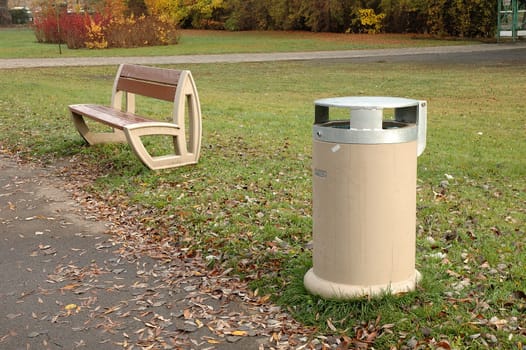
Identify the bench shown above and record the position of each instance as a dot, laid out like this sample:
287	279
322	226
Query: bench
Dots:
176	86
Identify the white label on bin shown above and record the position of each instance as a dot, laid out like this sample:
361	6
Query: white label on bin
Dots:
335	148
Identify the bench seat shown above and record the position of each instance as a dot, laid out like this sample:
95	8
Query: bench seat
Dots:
107	115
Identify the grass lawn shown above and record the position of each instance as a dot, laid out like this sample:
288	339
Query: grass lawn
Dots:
21	43
247	204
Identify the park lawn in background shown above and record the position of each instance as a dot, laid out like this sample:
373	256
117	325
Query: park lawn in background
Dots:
21	43
247	204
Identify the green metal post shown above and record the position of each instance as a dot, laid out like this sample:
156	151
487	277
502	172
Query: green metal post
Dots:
515	19
508	19
499	9
521	18
499	19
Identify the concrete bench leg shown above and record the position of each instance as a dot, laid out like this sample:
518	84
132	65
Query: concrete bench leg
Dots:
93	138
180	156
187	105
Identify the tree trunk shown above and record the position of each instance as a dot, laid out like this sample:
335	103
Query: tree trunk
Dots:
5	16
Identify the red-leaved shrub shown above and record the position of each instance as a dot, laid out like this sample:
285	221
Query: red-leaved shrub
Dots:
102	29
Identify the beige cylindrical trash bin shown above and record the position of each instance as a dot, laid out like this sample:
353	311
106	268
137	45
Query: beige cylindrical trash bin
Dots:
364	197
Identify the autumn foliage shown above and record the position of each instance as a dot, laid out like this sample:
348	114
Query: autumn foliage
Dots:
110	24
126	23
469	18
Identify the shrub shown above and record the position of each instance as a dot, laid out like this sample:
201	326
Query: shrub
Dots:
140	31
74	30
106	27
202	14
95	36
473	18
45	25
405	16
370	22
69	28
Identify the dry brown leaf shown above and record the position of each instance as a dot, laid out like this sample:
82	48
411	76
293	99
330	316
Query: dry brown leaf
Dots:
330	325
371	337
443	345
70	286
187	313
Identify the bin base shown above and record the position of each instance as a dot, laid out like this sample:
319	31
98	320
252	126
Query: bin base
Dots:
333	290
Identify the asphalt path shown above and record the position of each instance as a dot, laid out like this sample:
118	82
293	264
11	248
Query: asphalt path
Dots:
66	283
504	52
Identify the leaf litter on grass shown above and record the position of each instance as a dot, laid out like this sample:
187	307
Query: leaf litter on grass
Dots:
197	294
178	296
183	270
183	264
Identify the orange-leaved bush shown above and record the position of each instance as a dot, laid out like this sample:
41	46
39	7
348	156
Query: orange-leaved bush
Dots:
107	25
138	31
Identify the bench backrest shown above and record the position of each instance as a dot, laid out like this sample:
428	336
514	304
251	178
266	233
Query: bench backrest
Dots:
171	85
148	81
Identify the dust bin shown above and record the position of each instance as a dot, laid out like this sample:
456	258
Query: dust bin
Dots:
364	196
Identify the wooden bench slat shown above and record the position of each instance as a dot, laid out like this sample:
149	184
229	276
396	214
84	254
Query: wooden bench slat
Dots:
107	115
159	75
147	88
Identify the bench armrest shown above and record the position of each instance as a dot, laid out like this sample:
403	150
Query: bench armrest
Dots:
153	128
181	155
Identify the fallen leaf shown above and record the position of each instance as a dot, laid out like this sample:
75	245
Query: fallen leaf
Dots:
519	294
330	325
443	345
70	286
187	314
49	251
70	307
239	333
264	299
13	316
497	322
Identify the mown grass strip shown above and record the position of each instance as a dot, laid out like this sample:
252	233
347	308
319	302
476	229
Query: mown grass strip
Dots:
21	43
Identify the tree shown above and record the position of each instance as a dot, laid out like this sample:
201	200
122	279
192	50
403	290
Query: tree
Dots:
405	16
324	15
5	16
468	18
249	15
282	13
136	7
187	13
471	18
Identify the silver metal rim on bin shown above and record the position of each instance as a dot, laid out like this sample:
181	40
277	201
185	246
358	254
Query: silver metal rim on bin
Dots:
401	130
331	132
367	102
